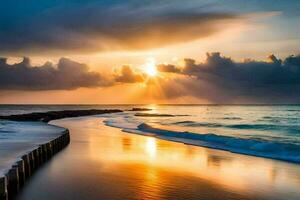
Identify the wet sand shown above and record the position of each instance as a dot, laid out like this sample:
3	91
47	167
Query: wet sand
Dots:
104	163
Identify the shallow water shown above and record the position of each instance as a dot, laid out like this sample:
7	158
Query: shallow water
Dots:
103	162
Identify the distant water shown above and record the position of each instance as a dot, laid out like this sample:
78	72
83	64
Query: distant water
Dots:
266	131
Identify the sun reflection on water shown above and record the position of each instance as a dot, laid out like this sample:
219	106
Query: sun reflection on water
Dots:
151	160
151	147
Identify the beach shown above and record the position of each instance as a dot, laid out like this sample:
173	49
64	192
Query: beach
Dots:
103	162
149	100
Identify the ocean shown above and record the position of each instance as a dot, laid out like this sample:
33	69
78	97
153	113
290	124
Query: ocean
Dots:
271	131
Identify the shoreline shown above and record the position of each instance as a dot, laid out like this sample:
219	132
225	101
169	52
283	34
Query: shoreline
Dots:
101	158
24	166
11	185
250	147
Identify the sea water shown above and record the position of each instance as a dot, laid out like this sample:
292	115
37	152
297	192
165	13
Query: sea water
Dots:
271	131
265	131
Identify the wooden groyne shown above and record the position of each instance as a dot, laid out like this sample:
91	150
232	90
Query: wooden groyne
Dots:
26	165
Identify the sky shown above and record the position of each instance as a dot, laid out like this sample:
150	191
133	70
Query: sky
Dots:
149	51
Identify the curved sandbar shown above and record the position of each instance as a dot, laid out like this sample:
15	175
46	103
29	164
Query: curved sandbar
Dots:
36	140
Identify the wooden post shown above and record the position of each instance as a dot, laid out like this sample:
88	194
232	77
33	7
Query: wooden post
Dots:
27	167
3	188
13	182
21	171
49	150
40	151
45	153
36	158
32	162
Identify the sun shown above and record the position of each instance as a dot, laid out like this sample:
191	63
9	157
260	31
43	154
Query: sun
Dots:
151	69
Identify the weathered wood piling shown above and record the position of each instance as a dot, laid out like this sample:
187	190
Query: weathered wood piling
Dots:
23	168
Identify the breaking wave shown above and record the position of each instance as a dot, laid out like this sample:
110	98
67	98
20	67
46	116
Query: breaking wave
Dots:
256	147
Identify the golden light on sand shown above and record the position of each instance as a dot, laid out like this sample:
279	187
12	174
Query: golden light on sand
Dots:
151	69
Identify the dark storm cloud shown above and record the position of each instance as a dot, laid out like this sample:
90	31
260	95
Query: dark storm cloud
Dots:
79	26
127	75
221	79
67	74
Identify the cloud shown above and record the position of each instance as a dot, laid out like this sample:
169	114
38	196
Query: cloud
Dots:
223	80
66	75
127	75
93	26
218	79
168	68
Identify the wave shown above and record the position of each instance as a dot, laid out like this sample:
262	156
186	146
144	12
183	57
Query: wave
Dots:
273	127
279	119
199	124
255	147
